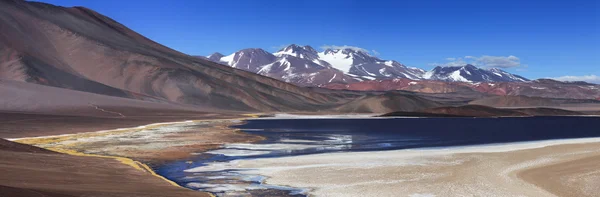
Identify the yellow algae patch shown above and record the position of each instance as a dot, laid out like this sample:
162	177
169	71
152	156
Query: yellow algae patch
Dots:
252	115
148	169
75	144
130	162
123	160
65	137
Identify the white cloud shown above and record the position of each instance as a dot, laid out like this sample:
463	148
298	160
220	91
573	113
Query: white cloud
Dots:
498	61
483	61
587	78
325	47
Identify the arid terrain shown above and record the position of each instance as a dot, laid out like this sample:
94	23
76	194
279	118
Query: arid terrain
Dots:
31	171
89	107
527	169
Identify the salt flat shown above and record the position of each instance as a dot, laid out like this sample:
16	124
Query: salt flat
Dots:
515	169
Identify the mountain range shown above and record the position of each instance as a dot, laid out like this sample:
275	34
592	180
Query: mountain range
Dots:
303	65
75	61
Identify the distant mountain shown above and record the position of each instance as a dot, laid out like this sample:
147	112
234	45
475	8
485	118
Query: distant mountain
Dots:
303	65
361	64
306	66
295	64
470	73
537	88
248	59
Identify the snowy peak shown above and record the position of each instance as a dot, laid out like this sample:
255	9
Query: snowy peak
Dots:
290	65
293	48
361	63
304	65
470	73
350	63
249	59
303	72
337	59
306	52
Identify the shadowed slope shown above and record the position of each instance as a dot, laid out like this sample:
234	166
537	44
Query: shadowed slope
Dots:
388	102
521	101
6	145
77	48
483	111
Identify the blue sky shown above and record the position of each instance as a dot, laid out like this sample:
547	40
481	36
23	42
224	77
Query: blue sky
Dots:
550	38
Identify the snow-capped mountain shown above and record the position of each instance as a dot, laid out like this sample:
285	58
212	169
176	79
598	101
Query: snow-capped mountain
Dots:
303	65
248	59
361	64
295	64
470	73
301	71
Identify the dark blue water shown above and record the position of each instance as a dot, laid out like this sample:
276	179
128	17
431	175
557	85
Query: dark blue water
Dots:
287	137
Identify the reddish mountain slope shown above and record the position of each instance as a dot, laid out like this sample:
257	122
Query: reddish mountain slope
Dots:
537	88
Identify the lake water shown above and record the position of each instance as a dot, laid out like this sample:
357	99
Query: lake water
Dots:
289	137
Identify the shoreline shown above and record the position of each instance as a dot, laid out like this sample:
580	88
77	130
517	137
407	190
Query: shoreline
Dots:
135	164
273	178
127	129
414	170
124	160
285	116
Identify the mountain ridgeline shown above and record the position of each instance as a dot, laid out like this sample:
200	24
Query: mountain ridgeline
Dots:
303	65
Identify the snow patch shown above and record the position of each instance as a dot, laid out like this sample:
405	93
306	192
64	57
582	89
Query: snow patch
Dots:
428	75
389	63
338	60
455	76
282	53
228	59
334	75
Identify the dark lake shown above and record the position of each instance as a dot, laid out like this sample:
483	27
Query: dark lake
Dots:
288	137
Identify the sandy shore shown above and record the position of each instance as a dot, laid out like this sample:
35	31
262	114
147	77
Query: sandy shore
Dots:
117	158
546	168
